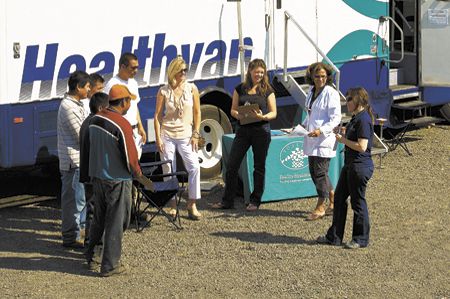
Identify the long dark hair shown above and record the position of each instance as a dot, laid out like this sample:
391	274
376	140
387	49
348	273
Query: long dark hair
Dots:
264	86
360	98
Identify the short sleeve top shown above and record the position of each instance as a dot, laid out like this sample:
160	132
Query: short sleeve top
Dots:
359	127
261	100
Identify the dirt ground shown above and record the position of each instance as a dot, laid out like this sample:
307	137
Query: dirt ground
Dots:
268	254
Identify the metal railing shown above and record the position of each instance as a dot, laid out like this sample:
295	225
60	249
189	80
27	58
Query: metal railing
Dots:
402	43
287	17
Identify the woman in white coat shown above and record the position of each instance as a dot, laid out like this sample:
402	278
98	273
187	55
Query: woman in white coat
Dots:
324	114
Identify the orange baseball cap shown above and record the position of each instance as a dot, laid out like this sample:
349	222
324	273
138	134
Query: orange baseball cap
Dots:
119	92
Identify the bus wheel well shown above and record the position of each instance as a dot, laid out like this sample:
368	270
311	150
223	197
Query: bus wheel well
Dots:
218	99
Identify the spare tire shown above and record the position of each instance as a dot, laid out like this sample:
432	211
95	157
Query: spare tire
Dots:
214	124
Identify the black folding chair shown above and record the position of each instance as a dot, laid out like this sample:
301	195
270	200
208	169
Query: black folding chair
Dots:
393	131
167	186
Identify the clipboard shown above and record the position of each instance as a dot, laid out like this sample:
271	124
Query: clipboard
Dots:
246	110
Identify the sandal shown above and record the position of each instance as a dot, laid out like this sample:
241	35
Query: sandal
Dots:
329	211
193	214
314	216
172	212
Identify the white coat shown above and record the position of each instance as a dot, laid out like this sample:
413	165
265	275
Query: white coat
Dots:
325	114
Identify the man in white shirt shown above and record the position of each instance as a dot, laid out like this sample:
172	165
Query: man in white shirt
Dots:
128	67
71	115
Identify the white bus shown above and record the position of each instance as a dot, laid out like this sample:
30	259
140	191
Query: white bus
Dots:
42	42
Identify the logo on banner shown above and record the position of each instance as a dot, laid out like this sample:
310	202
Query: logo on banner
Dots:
292	156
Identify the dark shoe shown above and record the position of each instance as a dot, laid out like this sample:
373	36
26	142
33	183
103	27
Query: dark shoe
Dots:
77	244
352	245
252	208
323	240
145	217
118	270
222	206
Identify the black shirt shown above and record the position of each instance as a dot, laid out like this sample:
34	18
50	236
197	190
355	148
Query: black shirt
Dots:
360	126
261	100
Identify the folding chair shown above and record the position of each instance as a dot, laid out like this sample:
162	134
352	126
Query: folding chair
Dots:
392	131
166	187
394	134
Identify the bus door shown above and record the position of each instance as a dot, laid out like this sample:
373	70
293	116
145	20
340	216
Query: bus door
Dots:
405	14
434	56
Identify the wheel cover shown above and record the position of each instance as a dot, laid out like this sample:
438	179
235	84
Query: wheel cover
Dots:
211	153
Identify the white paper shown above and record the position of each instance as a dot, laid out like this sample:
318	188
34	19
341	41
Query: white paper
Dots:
299	130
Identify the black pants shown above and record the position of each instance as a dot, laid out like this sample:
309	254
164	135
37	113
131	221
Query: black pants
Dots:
112	208
318	168
352	182
89	194
259	139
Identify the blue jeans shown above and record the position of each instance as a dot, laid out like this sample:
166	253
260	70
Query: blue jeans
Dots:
352	182
73	202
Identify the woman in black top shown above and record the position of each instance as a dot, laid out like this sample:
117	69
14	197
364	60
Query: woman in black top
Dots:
356	173
255	90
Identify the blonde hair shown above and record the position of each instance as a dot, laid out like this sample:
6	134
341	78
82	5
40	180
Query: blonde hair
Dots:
175	66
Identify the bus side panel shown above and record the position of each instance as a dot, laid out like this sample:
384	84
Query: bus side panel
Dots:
28	133
17	130
45	143
368	73
436	95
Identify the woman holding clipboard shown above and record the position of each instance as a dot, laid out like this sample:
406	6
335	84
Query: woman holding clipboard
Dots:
254	106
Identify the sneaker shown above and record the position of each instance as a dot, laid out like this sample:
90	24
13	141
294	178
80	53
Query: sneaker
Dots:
93	265
117	270
352	245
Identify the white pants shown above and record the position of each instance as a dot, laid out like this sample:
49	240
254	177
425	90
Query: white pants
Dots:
190	160
137	140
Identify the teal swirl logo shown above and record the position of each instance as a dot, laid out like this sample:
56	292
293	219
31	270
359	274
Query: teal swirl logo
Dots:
292	156
370	8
